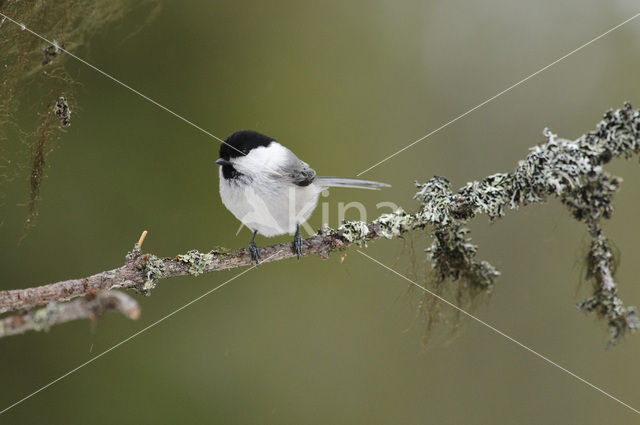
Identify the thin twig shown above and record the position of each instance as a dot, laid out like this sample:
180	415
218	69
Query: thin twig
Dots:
141	240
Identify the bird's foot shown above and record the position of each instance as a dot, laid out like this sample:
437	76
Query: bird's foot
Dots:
297	243
255	252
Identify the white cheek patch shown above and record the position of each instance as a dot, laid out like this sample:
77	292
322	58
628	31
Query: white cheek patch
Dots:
264	158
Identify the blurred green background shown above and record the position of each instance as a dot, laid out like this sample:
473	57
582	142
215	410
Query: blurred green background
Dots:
343	84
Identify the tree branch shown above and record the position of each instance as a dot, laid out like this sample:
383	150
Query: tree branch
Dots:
142	271
89	307
569	170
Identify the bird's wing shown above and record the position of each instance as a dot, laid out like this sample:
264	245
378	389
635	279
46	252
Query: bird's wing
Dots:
303	175
297	171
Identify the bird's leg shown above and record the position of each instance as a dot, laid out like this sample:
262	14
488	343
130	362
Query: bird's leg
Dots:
297	242
253	248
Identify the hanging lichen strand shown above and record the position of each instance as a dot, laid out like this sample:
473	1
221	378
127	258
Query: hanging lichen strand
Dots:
31	65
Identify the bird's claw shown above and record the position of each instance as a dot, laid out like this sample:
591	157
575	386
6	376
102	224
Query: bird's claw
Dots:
255	252
297	244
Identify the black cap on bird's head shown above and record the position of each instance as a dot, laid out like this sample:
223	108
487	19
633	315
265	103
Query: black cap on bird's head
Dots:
237	145
241	143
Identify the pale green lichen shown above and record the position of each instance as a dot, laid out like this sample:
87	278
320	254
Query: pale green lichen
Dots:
354	231
393	225
605	301
154	269
435	197
198	261
388	225
453	256
134	253
43	318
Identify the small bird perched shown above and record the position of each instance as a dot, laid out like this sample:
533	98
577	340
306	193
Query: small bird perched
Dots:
269	189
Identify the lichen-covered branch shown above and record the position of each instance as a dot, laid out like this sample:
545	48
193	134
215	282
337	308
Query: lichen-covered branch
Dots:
55	313
141	272
569	170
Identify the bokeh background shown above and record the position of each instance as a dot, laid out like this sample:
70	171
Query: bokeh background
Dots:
343	84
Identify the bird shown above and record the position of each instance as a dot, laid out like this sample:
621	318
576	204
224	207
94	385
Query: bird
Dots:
269	189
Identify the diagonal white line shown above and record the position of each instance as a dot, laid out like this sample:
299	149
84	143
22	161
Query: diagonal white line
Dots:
131	337
501	93
24	28
499	332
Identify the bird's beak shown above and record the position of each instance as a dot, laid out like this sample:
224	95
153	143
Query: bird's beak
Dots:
222	161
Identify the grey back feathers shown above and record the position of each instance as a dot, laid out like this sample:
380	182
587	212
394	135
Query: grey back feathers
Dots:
253	157
302	175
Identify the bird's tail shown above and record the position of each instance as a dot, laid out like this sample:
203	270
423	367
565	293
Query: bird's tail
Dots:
354	183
